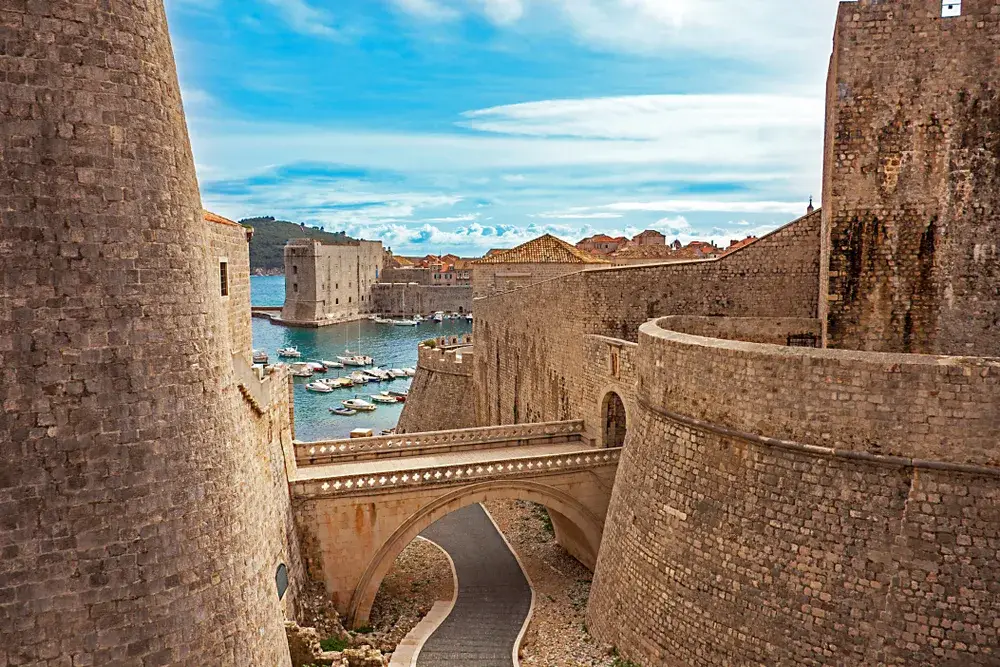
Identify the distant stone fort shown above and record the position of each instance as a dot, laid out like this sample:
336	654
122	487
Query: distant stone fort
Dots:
326	283
810	469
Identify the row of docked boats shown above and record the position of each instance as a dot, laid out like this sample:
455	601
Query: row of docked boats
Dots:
353	406
361	376
439	316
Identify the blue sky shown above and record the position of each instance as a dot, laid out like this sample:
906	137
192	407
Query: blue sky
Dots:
463	125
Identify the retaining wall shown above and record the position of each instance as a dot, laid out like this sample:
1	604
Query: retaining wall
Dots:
441	393
744	536
529	363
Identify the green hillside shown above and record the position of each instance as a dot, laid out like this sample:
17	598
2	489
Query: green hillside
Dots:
270	237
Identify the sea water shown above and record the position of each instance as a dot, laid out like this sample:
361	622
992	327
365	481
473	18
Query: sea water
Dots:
390	346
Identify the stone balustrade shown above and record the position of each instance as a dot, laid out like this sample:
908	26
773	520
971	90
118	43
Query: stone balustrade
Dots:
327	451
421	477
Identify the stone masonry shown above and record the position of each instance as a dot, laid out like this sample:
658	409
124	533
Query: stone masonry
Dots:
326	283
141	520
912	178
442	387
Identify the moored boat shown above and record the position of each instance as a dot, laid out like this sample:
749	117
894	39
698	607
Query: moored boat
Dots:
319	387
260	357
344	412
396	373
438	316
301	370
289	353
405	323
331	364
410	372
316	366
399	393
384	397
358	404
358	377
340	383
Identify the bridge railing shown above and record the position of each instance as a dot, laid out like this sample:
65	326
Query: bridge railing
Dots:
441	475
328	451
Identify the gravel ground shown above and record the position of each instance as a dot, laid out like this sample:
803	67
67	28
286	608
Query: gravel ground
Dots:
557	635
420	576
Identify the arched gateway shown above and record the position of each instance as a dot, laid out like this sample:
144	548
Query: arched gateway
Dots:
615	420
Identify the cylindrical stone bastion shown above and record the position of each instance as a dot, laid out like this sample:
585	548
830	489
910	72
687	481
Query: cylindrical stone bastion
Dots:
790	505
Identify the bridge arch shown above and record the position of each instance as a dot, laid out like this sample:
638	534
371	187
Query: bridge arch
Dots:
614	420
588	528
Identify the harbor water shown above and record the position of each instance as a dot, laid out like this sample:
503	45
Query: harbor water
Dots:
390	346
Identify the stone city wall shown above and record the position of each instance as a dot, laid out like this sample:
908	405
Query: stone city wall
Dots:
228	241
406	300
489	279
441	392
771	330
732	544
912	178
133	480
528	367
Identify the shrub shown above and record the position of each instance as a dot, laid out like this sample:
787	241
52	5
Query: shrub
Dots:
334	644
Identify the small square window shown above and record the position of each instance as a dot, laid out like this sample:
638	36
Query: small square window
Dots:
224	277
951	8
295	270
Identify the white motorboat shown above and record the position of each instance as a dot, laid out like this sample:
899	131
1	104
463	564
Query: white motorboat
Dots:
344	412
316	366
260	357
378	373
396	373
410	372
319	387
358	404
384	398
331	364
351	361
357	377
418	318
340	383
301	371
289	353
438	316
468	317
405	323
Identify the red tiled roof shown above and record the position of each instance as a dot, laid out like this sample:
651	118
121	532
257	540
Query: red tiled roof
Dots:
218	219
543	250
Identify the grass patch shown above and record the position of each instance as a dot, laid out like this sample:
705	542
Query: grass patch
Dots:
622	662
364	630
333	644
542	515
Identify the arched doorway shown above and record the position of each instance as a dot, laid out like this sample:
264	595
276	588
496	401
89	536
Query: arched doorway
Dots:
615	421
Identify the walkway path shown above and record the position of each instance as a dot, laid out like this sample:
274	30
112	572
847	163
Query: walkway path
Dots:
493	595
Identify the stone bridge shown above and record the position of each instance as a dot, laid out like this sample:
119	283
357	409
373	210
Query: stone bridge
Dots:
359	502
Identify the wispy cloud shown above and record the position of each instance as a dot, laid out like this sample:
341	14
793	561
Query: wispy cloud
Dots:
427	9
304	18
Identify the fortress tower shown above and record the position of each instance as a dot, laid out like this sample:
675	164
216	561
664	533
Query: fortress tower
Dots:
131	482
911	197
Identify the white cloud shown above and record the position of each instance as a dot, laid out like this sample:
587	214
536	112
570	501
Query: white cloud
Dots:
303	18
503	11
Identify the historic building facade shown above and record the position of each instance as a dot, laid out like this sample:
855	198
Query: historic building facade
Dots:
329	283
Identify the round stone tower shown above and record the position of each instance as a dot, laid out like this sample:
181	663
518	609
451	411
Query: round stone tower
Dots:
127	518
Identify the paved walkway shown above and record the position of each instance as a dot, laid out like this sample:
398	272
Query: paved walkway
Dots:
399	464
493	595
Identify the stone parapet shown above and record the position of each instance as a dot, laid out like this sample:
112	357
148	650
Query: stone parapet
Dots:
914	406
322	452
450	475
770	330
457	360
